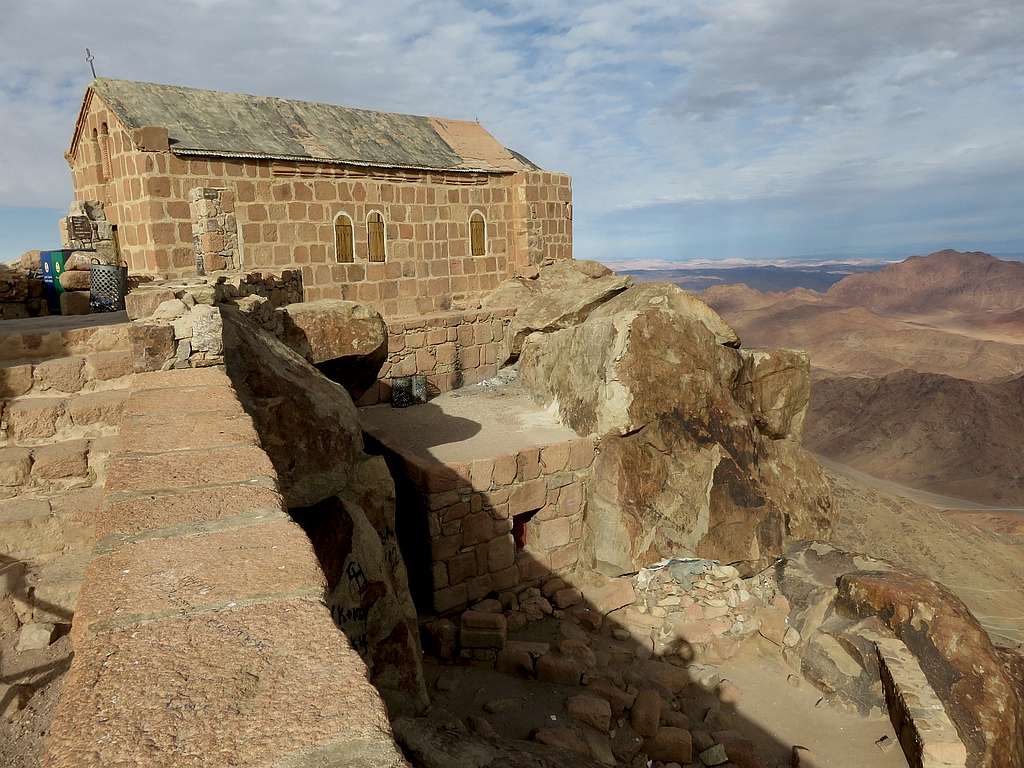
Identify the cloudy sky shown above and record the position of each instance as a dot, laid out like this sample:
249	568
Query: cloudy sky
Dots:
693	129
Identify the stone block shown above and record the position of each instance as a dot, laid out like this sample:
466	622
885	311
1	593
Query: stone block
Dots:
566	597
477	528
75	280
141	303
619	700
670	745
527	497
528	464
152	345
450	598
75	302
479	629
505	468
514	661
64	374
554	458
98	408
590	710
462	567
224	697
15	466
480	474
645	716
181	469
15	380
34	637
35	418
549	534
501	553
109	365
581	453
61	460
559	669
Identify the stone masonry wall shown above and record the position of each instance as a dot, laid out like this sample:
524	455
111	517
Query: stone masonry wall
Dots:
201	635
544	216
475	512
452	349
214	229
286	211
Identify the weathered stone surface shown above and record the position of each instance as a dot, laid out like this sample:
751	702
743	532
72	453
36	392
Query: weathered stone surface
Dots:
671	298
566	296
368	593
174	692
307	424
15	466
683	466
969	674
35	636
330	329
152	345
15	380
61	460
141	303
779	386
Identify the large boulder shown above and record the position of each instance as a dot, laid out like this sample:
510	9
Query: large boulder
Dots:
367	585
346	341
566	293
675	300
777	385
972	678
344	499
308	424
692	453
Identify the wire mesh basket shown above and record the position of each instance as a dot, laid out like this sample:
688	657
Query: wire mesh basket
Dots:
108	285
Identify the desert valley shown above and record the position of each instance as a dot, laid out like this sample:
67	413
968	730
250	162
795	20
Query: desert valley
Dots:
916	413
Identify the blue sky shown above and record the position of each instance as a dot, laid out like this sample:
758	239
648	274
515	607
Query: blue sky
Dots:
700	129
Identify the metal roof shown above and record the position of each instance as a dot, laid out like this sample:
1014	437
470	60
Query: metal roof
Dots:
202	122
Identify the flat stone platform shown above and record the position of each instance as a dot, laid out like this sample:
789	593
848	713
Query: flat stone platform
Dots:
491	491
478	422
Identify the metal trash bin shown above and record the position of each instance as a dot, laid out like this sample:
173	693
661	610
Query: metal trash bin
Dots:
408	390
108	285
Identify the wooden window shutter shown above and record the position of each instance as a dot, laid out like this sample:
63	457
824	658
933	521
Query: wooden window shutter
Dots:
375	236
476	235
343	239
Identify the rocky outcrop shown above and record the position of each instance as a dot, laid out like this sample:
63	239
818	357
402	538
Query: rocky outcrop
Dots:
966	671
849	610
344	499
347	342
307	424
697	438
564	295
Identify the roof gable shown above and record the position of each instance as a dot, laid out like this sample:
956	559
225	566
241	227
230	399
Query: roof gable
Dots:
201	122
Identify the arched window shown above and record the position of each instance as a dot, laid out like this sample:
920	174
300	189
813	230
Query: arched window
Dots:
477	234
105	152
375	237
344	239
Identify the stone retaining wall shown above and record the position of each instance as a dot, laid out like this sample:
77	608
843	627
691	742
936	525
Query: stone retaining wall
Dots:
201	637
452	349
500	522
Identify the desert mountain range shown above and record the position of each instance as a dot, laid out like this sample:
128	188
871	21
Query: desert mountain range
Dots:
918	369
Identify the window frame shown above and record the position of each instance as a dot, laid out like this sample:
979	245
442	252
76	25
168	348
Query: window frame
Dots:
351	238
483	220
383	238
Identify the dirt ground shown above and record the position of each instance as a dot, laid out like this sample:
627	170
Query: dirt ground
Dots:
768	704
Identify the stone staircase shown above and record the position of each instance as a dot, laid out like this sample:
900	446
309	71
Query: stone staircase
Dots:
63	385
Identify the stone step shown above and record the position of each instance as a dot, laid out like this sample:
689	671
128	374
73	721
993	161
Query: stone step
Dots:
32	420
66	373
54	468
45	337
927	735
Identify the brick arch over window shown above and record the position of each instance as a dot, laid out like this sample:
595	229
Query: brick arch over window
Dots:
344	239
375	243
477	234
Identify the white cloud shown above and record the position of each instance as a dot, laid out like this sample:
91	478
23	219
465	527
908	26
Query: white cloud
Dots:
707	101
